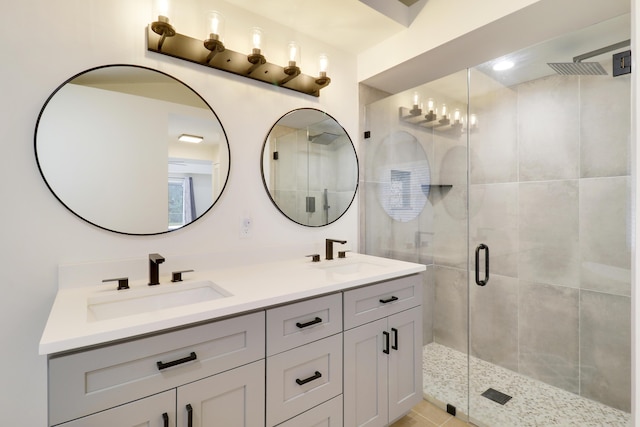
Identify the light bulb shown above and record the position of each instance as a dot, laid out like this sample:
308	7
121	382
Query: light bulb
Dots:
323	61
256	38
444	110
416	99
473	120
430	104
162	10
216	25
294	52
456	115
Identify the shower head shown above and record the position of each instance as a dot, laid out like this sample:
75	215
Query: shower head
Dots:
324	138
579	68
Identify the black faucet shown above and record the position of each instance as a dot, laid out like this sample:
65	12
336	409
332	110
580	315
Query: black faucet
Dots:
154	268
329	247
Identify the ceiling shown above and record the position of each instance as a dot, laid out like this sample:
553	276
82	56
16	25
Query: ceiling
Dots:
349	25
357	25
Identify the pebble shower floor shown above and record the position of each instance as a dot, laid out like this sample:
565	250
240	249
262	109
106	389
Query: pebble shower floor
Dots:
533	403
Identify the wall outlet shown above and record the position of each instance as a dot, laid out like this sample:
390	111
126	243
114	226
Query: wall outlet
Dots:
245	227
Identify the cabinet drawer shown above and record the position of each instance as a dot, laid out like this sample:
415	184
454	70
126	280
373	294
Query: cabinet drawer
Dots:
150	411
90	381
302	378
300	323
374	302
329	414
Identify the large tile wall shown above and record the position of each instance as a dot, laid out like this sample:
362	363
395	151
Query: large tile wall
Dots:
550	196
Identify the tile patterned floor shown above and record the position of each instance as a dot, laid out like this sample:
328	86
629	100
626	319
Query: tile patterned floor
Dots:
534	403
426	414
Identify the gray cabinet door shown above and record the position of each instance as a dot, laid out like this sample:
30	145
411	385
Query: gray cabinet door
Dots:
405	361
231	399
365	376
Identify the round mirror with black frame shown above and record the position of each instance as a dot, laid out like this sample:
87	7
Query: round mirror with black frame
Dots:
132	150
310	167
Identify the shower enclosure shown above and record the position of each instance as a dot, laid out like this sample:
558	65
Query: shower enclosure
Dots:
513	188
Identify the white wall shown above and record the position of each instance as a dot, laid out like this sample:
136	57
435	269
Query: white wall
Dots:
635	256
51	41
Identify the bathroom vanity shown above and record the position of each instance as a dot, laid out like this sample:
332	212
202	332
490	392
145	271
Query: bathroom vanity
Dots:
291	343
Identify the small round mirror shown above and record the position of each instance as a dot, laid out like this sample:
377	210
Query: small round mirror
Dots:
310	167
131	150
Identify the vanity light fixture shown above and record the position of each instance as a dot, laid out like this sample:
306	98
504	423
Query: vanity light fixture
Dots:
322	79
162	27
194	139
211	52
256	58
214	43
292	70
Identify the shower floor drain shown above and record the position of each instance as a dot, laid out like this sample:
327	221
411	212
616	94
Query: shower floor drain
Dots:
496	396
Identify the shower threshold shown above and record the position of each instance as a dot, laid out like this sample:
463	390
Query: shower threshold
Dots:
534	403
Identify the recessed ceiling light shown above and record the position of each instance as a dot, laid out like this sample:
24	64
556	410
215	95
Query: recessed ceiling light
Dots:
194	139
503	65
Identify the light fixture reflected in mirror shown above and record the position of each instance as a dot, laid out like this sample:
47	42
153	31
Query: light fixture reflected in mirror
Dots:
431	115
193	139
438	117
417	108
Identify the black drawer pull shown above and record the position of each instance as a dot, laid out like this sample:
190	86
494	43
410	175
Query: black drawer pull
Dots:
189	358
385	350
311	378
312	322
189	415
388	300
165	419
395	338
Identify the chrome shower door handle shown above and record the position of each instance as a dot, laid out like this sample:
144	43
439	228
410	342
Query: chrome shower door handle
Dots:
484	281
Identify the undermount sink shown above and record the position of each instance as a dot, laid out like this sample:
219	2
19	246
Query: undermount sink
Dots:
152	298
348	267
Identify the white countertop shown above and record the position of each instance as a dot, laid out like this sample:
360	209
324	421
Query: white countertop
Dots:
251	287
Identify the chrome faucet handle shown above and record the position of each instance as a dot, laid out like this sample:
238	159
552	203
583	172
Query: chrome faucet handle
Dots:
123	282
176	276
314	257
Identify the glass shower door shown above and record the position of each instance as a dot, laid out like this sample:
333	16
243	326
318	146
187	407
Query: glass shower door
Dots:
549	241
415	209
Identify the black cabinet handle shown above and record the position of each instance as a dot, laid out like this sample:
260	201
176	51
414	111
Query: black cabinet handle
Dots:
395	338
189	358
311	378
165	419
485	248
189	415
385	350
388	300
312	322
